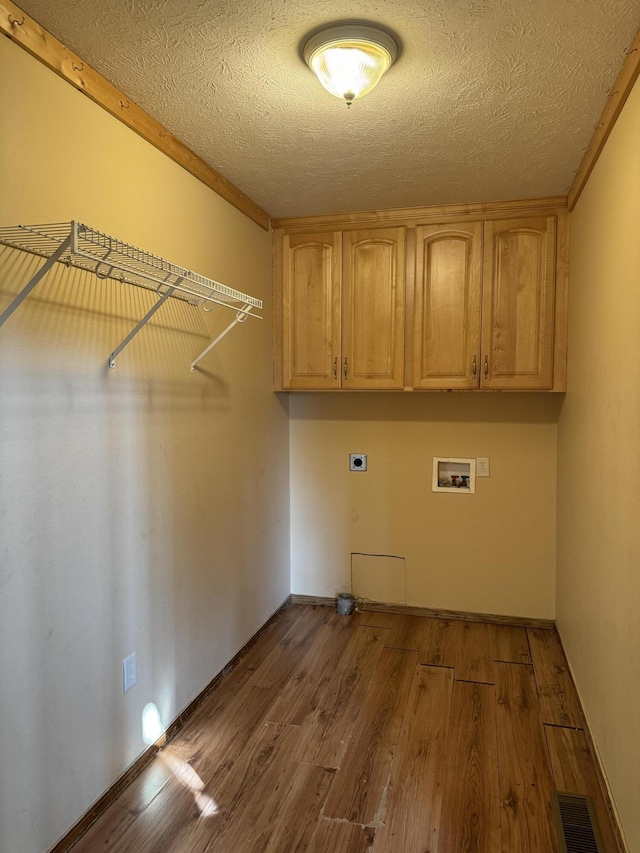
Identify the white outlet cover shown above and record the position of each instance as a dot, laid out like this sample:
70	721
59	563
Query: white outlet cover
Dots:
482	466
357	461
129	671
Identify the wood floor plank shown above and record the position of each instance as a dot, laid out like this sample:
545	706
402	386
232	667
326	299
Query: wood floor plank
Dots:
280	818
558	699
510	643
213	749
336	837
280	664
113	823
466	646
376	619
299	698
296	822
525	774
358	787
405	632
408	633
229	687
327	735
471	815
209	749
476	661
240	796
440	643
276	632
161	823
575	773
414	798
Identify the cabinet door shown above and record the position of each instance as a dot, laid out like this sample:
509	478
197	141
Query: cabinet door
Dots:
311	272
448	295
518	303
373	308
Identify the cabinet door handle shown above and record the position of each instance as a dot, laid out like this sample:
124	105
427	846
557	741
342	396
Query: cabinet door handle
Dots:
474	369
345	368
335	367
486	366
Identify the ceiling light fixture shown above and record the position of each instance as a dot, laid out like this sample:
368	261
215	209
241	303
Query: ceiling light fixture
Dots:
350	59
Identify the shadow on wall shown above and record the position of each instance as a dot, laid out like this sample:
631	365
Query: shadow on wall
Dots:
437	406
80	319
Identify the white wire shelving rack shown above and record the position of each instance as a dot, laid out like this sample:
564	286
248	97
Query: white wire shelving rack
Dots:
78	245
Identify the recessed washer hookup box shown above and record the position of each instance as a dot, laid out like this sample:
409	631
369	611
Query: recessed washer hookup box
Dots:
455	475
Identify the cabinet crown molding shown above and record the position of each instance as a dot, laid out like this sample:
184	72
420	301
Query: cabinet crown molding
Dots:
424	215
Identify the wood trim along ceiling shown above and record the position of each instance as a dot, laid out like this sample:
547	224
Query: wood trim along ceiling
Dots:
28	34
617	99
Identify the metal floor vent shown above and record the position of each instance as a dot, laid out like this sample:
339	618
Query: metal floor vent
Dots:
576	823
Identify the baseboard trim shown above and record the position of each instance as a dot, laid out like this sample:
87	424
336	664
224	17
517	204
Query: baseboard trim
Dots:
463	615
317	600
597	762
408	610
135	769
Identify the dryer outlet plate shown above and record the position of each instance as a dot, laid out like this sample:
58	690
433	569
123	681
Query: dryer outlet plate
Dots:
357	461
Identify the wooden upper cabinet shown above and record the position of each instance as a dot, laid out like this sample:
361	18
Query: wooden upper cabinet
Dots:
448	297
518	303
311	266
486	301
373	308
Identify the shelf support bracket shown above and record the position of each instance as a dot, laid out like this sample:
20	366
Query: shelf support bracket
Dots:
241	316
143	322
26	290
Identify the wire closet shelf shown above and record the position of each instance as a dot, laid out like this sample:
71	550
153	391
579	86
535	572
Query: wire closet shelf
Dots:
78	245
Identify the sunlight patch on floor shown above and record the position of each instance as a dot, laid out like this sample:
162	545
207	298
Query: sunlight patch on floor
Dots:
152	732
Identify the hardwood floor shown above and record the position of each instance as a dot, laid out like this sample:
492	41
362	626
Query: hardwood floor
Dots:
375	733
471	819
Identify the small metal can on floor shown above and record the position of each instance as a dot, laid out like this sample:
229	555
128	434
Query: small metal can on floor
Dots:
346	604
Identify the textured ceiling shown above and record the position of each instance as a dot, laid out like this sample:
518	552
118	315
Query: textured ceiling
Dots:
489	100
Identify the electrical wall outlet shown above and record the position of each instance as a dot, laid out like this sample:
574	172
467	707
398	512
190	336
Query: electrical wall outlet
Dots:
357	461
129	671
482	466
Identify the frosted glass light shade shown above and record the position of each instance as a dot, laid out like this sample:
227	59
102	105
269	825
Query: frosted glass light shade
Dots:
350	59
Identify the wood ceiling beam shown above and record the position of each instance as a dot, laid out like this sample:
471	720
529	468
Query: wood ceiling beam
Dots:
617	99
28	34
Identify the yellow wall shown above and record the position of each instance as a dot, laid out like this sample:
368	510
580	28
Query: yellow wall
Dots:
143	508
492	552
599	462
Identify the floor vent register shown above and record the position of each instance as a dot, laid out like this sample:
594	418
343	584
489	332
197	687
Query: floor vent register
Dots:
576	823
